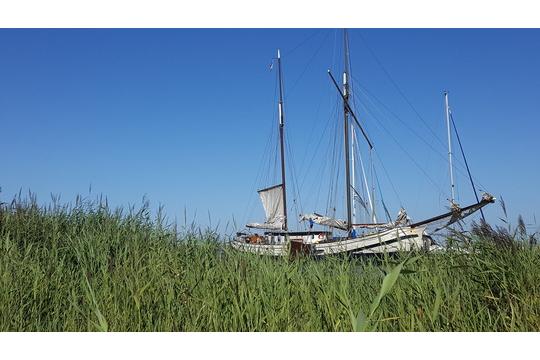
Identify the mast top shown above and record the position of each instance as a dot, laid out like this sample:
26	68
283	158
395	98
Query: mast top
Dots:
278	54
452	187
445	93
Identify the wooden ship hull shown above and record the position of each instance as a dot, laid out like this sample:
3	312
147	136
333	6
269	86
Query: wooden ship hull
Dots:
321	244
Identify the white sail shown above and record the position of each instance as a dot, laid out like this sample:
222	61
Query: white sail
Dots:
272	200
325	220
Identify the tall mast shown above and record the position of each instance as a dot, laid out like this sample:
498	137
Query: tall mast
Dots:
449	146
346	129
282	141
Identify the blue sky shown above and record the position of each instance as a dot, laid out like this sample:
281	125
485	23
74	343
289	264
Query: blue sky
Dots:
183	116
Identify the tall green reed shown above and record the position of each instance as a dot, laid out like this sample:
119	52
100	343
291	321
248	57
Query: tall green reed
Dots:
87	267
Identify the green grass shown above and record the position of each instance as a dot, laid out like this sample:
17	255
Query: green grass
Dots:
88	268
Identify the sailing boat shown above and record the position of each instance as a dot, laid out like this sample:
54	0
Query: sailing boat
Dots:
399	235
277	240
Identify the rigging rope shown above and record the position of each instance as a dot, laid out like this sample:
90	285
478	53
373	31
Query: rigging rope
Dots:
327	165
322	163
308	64
380	123
389	179
398	88
335	168
296	192
302	43
264	159
461	168
354	97
371	95
369	216
314	150
388	216
466	164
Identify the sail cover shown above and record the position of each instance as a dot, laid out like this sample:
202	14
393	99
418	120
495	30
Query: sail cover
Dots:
272	200
325	220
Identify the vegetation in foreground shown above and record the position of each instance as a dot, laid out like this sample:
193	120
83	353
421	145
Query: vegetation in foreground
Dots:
88	268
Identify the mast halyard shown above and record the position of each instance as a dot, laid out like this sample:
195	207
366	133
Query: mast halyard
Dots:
366	186
447	108
282	141
346	130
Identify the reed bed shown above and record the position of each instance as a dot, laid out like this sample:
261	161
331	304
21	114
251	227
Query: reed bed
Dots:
86	267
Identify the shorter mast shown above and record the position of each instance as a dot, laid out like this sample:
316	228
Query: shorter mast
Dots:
373	216
282	141
449	147
353	182
346	132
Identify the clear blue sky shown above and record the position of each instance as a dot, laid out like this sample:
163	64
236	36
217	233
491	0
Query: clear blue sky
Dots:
183	116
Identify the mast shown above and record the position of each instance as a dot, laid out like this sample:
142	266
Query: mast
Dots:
449	146
282	141
355	141
353	182
373	215
346	130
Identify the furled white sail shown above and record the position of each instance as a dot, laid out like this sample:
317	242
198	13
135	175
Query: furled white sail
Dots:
402	218
325	220
266	226
272	200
